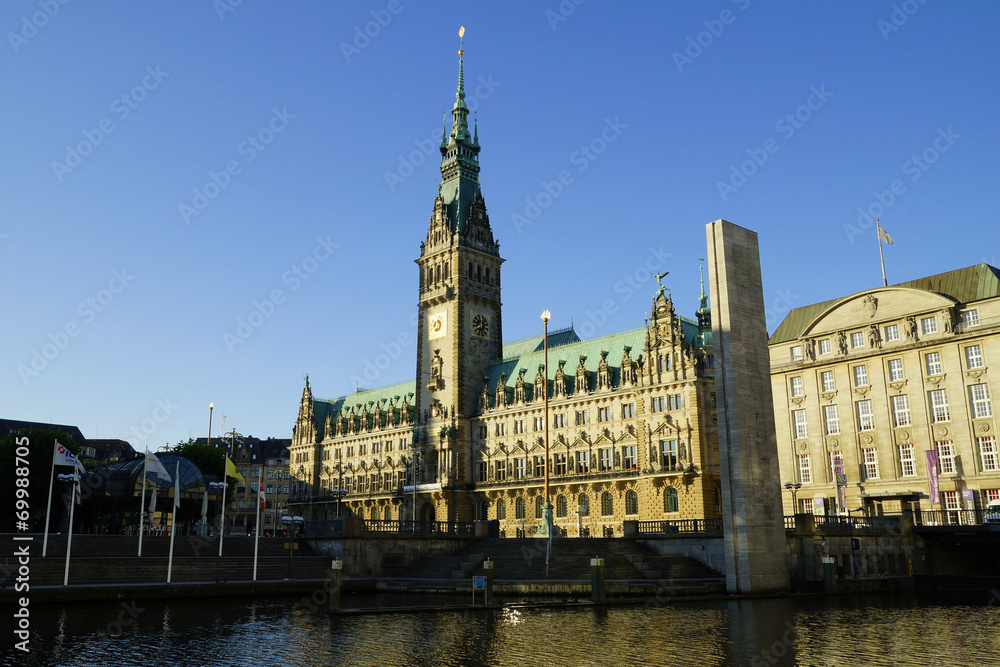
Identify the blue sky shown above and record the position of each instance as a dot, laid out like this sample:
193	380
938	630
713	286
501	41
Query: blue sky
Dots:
172	169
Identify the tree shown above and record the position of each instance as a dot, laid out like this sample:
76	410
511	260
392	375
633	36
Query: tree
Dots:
210	460
40	443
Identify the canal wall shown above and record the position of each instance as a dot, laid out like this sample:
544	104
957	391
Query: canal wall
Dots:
387	555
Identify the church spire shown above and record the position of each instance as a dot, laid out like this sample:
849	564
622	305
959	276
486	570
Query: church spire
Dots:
459	156
704	313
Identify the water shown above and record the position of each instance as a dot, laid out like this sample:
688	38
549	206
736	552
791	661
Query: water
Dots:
283	631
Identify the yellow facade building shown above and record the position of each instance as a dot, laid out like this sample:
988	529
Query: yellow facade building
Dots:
894	382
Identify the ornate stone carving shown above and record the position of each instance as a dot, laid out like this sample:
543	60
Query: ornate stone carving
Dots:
874	337
581	377
842	342
869	304
603	372
560	381
519	387
911	328
540	384
501	392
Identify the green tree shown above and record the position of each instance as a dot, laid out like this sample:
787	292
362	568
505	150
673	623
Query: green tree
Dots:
40	443
209	459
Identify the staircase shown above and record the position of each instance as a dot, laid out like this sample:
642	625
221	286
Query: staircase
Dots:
524	560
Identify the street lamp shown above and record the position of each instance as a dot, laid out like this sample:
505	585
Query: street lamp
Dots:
415	455
290	522
547	510
794	487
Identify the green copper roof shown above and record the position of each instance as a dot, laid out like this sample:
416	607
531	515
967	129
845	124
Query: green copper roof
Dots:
528	354
524	346
358	399
459	160
967	285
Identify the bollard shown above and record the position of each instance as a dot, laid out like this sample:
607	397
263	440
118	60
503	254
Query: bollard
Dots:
597	593
829	574
488	567
336	580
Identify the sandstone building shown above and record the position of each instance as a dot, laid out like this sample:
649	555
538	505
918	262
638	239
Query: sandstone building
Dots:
632	431
894	384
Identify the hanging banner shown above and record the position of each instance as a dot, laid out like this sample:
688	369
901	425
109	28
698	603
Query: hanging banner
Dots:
838	471
932	474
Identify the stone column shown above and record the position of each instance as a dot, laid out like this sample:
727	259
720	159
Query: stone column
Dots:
755	548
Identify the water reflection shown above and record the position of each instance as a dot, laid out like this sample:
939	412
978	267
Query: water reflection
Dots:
282	631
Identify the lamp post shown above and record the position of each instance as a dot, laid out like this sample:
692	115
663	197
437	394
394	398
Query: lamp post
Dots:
850	528
547	510
211	406
289	522
413	459
794	487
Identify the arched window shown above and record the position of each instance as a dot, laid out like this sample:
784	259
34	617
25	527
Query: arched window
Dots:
501	509
607	504
519	508
718	499
561	506
374	514
631	503
539	506
670	500
388	514
584	504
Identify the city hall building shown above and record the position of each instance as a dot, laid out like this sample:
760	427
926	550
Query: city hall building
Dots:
890	389
631	416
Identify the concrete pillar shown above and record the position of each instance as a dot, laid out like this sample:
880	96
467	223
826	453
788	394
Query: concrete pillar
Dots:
748	451
336	582
597	588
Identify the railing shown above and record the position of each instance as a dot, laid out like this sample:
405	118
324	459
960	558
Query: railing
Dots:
421	527
680	526
956	517
335	527
990	323
882	524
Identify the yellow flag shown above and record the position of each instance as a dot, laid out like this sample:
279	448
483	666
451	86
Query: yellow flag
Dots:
231	471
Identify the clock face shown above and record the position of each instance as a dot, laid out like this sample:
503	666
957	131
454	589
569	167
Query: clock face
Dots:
438	326
481	325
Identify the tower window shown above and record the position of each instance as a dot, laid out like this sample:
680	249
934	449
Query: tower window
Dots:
479	272
486	275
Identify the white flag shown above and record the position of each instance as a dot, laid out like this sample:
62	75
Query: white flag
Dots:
64	457
223	423
77	496
155	466
882	234
177	486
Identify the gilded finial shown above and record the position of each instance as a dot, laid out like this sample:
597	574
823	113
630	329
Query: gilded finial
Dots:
461	34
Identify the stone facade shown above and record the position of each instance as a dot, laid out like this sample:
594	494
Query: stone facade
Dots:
632	415
882	377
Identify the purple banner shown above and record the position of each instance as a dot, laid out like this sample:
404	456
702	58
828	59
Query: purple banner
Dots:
819	506
932	474
968	494
838	470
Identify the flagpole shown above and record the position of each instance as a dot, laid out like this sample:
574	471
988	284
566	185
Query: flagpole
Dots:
173	519
256	539
878	233
48	508
222	514
142	502
69	539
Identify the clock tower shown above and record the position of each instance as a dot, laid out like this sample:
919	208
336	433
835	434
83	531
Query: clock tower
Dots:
459	326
